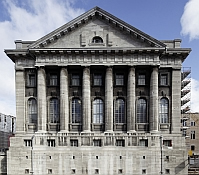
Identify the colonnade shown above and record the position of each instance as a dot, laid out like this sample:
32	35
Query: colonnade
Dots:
86	100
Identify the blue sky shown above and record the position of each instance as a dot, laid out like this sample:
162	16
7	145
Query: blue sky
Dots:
161	19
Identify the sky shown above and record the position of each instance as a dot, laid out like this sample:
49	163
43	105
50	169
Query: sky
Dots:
32	19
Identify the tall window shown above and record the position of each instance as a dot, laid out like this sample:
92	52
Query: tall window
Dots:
193	135
97	80
98	111
54	110
163	110
75	80
119	111
32	110
53	80
32	80
141	111
119	79
141	79
76	111
163	79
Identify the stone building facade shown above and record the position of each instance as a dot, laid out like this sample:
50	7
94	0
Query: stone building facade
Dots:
98	96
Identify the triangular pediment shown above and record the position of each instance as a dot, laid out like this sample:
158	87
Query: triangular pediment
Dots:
96	25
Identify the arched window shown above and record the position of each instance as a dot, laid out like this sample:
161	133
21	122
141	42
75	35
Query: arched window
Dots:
32	110
119	111
76	111
98	111
97	39
54	110
141	111
163	110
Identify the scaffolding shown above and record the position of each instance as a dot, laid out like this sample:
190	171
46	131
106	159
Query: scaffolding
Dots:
185	90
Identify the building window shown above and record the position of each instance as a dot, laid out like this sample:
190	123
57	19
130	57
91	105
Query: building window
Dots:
163	79
53	80
192	123
98	111
141	79
51	142
184	123
74	143
97	80
97	40
143	142
143	171
32	110
141	111
26	171
97	142
193	135
54	110
184	133
192	147
28	143
50	171
75	80
167	171
120	142
96	171
76	111
120	171
167	143
73	171
119	111
163	110
119	80
32	80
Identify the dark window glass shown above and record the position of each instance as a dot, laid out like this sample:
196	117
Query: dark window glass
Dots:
76	111
97	39
163	79
141	79
75	80
97	80
32	110
141	111
119	111
32	80
53	80
163	110
54	110
119	79
98	111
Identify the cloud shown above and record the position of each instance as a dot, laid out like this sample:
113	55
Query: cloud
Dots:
190	20
28	20
194	95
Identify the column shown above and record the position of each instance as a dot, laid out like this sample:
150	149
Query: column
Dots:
41	99
153	106
86	100
20	100
109	100
64	104
176	101
131	100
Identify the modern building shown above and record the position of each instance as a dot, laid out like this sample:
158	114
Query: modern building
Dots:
98	96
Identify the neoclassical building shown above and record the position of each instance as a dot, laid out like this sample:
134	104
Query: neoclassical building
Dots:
98	96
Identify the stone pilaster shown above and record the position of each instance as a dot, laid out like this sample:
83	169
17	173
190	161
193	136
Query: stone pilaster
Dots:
86	100
176	101
153	106
109	100
20	101
131	100
41	97
64	104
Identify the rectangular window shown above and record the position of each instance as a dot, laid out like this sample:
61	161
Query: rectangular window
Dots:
192	147
192	123
120	171
50	171
74	143
96	171
143	171
167	143
53	80
97	142
193	135
75	80
119	80
143	142
26	171
167	171
32	80
28	143
141	79
184	123
51	142
163	79
97	80
184	133
120	142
